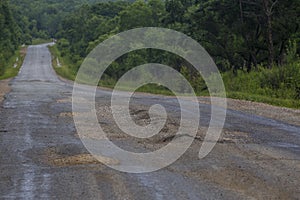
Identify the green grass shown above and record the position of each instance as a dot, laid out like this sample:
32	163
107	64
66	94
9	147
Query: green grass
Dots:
289	103
278	86
38	41
64	70
9	70
149	88
246	88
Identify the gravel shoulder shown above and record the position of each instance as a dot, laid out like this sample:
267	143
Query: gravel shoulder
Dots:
4	88
286	115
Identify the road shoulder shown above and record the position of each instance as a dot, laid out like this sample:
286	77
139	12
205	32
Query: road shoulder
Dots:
287	115
4	88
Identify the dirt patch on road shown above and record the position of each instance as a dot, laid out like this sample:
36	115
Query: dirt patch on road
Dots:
65	100
56	158
4	88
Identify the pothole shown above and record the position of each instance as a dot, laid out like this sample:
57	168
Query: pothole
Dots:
235	137
226	137
66	114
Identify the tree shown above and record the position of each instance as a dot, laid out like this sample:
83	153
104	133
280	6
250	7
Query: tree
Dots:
268	8
9	36
136	15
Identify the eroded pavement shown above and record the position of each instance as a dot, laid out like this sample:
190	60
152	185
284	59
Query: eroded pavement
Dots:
42	157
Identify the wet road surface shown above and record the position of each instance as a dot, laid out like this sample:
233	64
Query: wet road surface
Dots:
42	157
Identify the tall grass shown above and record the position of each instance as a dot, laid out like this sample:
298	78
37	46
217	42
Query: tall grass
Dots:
278	86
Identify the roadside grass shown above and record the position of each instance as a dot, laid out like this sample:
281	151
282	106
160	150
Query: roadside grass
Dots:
62	68
38	41
14	64
289	103
149	88
155	89
248	96
279	86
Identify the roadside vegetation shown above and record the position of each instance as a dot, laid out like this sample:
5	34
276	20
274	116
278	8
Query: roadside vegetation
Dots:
13	65
11	52
255	43
62	66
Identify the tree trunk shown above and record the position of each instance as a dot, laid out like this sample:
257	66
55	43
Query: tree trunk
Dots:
270	42
268	9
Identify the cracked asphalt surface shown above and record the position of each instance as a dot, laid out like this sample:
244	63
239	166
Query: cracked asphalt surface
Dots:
42	157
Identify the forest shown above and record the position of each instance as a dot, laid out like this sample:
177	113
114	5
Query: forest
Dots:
254	43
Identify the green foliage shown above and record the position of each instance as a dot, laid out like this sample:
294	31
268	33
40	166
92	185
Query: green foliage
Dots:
42	18
291	51
136	15
37	41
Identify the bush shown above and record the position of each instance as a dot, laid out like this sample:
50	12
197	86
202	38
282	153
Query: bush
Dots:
282	82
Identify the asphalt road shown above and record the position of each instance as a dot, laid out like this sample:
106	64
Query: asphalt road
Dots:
42	157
